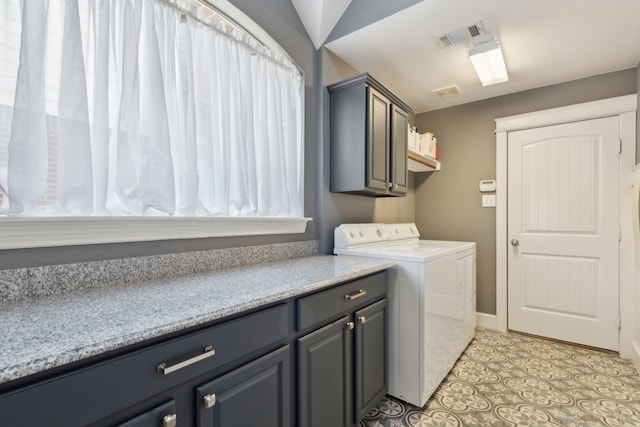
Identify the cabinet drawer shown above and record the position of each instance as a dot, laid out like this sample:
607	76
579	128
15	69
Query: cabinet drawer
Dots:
323	306
229	341
93	393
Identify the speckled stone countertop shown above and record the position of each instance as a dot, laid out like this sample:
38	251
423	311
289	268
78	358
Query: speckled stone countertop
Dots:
52	331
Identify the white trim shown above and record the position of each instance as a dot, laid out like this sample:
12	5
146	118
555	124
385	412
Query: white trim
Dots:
635	355
626	247
487	321
501	231
63	231
572	113
623	106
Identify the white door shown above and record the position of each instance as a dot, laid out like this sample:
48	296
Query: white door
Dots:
563	232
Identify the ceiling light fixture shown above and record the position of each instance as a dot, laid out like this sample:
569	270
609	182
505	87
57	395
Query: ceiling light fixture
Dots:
488	62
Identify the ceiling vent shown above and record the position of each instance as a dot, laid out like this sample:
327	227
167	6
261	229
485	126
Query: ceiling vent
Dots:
461	34
447	91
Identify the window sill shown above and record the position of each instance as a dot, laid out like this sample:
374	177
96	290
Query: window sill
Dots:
18	233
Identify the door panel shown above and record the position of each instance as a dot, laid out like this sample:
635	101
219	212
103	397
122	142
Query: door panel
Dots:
325	366
563	232
399	161
378	140
256	394
565	285
371	356
154	417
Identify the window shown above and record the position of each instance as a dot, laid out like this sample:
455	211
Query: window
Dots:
134	109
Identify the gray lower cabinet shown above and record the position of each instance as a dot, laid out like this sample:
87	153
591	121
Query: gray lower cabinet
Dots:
371	355
343	365
326	366
132	389
163	415
329	346
369	134
256	394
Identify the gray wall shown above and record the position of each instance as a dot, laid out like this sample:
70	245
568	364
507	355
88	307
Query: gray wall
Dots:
280	20
448	203
339	208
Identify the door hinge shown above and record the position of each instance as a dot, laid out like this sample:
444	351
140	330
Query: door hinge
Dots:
619	322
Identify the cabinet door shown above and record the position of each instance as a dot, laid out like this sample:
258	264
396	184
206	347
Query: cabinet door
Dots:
161	416
399	159
371	356
325	364
255	395
378	135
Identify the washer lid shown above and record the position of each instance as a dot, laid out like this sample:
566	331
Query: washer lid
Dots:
395	252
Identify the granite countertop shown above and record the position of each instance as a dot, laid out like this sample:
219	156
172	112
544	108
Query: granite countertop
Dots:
53	331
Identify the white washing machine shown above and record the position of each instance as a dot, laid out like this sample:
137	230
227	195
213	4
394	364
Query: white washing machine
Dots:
432	308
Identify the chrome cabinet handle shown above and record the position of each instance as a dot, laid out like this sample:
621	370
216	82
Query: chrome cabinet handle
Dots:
163	369
357	295
170	420
209	401
362	319
515	242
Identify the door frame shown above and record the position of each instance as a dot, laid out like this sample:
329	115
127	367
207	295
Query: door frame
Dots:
625	108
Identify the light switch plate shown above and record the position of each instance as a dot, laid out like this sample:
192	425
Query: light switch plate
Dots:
488	200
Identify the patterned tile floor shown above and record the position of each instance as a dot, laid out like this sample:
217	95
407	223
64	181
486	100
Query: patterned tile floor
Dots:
507	379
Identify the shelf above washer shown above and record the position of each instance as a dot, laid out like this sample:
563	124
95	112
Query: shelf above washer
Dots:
421	163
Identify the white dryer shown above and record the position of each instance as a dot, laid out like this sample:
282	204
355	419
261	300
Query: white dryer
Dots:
432	311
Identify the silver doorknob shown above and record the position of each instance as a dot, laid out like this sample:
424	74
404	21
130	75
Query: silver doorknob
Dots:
515	242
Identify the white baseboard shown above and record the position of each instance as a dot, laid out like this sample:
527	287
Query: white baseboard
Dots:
487	321
635	355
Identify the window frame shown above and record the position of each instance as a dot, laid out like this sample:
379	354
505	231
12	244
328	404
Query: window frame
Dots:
17	233
30	232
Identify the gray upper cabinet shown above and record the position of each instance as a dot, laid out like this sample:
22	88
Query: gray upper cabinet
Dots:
368	138
399	155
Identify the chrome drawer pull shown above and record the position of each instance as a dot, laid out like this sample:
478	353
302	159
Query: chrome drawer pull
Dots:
170	420
163	369
350	325
357	295
362	319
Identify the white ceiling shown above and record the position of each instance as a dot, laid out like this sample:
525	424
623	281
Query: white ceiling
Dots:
319	17
544	42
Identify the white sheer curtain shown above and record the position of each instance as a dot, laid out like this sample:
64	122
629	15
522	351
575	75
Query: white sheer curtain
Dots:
144	107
